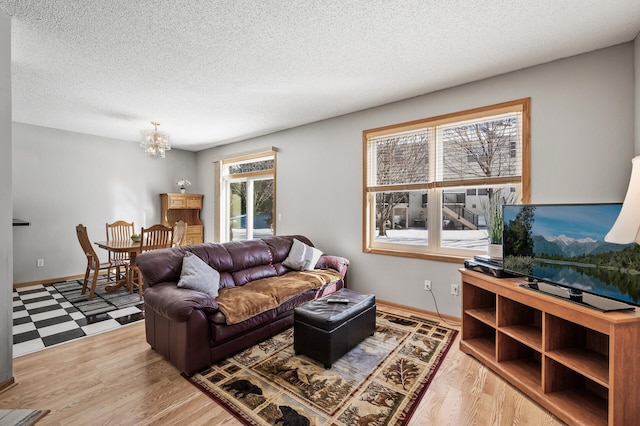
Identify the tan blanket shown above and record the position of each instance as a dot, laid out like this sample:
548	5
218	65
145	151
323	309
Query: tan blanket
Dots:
241	303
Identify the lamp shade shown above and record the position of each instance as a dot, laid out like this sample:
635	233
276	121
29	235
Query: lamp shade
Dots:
626	229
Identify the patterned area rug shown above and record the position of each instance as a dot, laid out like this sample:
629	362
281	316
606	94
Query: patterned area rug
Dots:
102	301
379	382
21	417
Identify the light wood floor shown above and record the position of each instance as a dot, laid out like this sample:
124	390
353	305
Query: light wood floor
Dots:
115	378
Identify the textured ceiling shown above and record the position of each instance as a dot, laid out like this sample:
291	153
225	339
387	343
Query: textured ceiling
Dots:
213	72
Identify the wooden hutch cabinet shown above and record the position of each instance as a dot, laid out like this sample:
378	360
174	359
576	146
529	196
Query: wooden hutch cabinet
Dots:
580	364
184	207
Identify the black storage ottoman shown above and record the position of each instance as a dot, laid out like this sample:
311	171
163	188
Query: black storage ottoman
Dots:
325	331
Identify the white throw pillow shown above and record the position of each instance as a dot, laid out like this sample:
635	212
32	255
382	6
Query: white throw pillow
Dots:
197	275
302	257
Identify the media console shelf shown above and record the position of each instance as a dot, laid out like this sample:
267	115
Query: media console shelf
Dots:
580	364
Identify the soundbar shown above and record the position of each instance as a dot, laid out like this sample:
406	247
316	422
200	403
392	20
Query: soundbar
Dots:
487	268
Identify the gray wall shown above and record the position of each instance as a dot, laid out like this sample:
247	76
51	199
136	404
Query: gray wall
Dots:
6	230
63	178
582	140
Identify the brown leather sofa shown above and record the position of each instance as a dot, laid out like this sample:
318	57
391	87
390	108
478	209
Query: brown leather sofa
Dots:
188	328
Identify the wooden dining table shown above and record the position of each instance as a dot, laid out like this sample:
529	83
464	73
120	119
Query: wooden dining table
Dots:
121	246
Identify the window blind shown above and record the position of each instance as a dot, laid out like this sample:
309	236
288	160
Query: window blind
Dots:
485	150
398	160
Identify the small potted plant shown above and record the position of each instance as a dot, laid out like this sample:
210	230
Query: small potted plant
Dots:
493	218
183	184
494	229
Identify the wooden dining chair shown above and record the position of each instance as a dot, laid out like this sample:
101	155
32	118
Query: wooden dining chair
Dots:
153	238
118	230
179	233
93	262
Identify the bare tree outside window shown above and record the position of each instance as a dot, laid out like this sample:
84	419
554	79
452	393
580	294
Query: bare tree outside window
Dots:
252	166
399	160
262	196
480	150
263	191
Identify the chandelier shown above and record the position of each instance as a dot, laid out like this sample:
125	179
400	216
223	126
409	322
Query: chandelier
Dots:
155	143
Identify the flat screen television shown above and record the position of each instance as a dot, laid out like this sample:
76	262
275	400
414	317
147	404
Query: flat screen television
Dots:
561	249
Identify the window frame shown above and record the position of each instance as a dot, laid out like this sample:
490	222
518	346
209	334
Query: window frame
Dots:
223	181
433	249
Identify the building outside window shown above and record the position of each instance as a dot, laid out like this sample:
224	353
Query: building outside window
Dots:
429	182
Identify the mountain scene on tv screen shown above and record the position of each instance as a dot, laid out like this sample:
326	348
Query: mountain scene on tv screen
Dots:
565	245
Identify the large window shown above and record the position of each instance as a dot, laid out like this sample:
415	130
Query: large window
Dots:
247	196
428	184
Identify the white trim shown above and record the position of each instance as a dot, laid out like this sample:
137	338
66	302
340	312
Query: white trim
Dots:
253	152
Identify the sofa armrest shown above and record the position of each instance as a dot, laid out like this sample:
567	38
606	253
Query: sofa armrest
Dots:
338	263
159	266
177	304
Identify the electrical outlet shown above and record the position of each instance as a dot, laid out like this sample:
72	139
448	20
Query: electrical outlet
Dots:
40	263
455	289
427	285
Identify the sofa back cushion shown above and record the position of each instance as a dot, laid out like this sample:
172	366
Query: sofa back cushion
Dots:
238	262
251	261
216	256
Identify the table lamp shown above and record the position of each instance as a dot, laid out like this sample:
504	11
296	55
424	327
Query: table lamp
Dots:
626	229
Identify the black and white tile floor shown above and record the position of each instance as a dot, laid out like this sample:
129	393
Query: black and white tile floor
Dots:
42	317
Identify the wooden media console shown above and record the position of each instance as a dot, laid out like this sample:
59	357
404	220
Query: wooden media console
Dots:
581	364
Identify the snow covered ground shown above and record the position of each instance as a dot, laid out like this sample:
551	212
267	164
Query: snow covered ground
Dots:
473	240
